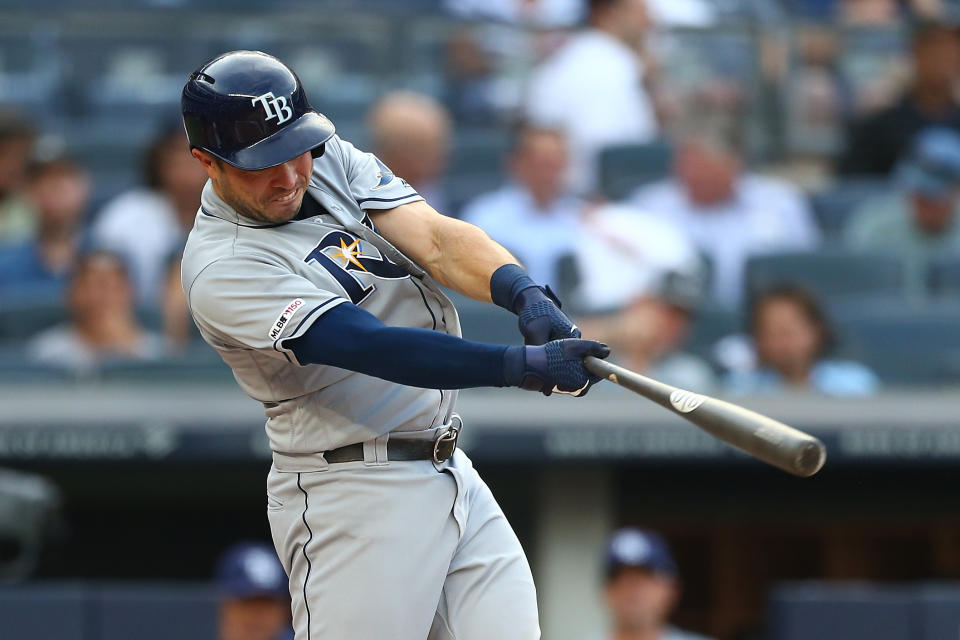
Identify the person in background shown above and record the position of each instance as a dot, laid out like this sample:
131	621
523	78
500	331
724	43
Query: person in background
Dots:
411	135
641	284
792	340
254	597
37	268
540	14
641	588
16	146
593	88
875	142
148	224
102	326
533	216
728	213
178	327
919	219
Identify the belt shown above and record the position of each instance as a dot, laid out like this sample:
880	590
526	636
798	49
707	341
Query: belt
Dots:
438	450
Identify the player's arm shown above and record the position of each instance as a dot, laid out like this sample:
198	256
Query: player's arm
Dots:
463	257
351	338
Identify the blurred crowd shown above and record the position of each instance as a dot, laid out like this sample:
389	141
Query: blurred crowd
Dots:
637	195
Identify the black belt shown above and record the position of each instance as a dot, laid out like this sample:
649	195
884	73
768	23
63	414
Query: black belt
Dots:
438	450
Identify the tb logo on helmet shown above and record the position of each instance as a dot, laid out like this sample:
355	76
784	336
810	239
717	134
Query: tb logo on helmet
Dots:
274	107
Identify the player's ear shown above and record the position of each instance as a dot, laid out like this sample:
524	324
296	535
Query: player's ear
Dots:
208	161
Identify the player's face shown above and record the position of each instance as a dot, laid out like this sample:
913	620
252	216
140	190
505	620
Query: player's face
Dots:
269	195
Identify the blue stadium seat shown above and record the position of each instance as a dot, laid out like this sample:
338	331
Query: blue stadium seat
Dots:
834	205
943	277
829	273
485	322
21	319
937	611
903	345
710	324
625	167
807	611
476	165
155	612
34	611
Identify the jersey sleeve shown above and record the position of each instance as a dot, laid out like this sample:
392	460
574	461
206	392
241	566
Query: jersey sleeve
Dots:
252	303
372	183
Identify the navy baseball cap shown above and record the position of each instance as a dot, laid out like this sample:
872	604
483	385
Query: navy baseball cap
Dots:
933	167
250	570
640	549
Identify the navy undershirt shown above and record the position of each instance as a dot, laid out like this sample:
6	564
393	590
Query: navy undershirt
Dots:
351	338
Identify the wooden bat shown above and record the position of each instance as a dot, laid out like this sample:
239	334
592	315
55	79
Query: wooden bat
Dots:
773	442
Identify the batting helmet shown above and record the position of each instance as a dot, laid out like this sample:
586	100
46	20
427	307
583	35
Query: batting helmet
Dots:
249	109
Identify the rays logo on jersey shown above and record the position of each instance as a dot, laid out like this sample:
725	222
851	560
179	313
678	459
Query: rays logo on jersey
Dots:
384	175
345	256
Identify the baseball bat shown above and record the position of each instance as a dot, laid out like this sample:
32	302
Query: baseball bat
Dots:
764	438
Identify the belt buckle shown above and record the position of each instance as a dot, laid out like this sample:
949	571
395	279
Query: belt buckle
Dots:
445	445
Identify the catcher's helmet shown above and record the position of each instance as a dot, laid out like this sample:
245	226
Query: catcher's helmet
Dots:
249	109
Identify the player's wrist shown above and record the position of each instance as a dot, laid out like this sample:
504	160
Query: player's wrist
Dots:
514	366
512	288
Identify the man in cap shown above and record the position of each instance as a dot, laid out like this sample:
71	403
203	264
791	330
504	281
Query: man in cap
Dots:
641	588
254	601
919	219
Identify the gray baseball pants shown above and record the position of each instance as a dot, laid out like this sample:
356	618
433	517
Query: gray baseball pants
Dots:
379	550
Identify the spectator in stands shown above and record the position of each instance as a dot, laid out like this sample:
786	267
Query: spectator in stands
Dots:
411	135
919	219
102	325
178	327
16	146
792	340
147	225
876	141
729	214
254	597
642	587
593	88
533	216
647	329
59	191
541	14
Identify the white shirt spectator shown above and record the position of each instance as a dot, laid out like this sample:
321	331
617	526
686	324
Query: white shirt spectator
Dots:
592	89
538	13
141	227
765	215
623	253
682	13
537	237
63	347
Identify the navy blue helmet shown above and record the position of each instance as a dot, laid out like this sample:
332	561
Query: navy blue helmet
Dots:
249	109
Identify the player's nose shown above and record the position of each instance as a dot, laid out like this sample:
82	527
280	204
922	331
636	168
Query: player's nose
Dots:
285	176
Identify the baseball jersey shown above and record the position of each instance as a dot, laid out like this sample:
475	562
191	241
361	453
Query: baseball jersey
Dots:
253	286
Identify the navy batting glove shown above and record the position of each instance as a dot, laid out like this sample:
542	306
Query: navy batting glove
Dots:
555	366
538	309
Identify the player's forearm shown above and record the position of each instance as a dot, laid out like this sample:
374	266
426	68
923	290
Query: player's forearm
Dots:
350	338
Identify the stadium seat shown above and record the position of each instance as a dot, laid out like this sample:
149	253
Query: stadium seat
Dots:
155	612
710	324
485	322
23	318
36	611
625	167
198	364
903	345
943	277
830	273
937	611
804	611
834	206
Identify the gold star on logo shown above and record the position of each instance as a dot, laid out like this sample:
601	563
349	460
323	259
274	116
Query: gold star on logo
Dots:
349	253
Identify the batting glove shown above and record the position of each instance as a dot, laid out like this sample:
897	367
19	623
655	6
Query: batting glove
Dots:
555	366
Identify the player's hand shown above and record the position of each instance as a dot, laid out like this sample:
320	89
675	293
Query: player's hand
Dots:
558	366
541	319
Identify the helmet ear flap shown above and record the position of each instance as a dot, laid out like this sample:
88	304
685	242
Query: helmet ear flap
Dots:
316	152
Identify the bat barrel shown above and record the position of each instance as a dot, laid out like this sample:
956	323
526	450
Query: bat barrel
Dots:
773	442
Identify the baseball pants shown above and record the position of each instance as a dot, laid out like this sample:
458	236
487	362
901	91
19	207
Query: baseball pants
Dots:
398	551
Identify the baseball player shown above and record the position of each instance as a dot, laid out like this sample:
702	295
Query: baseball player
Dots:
314	271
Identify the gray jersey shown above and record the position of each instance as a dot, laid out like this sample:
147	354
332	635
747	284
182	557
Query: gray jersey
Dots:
252	287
